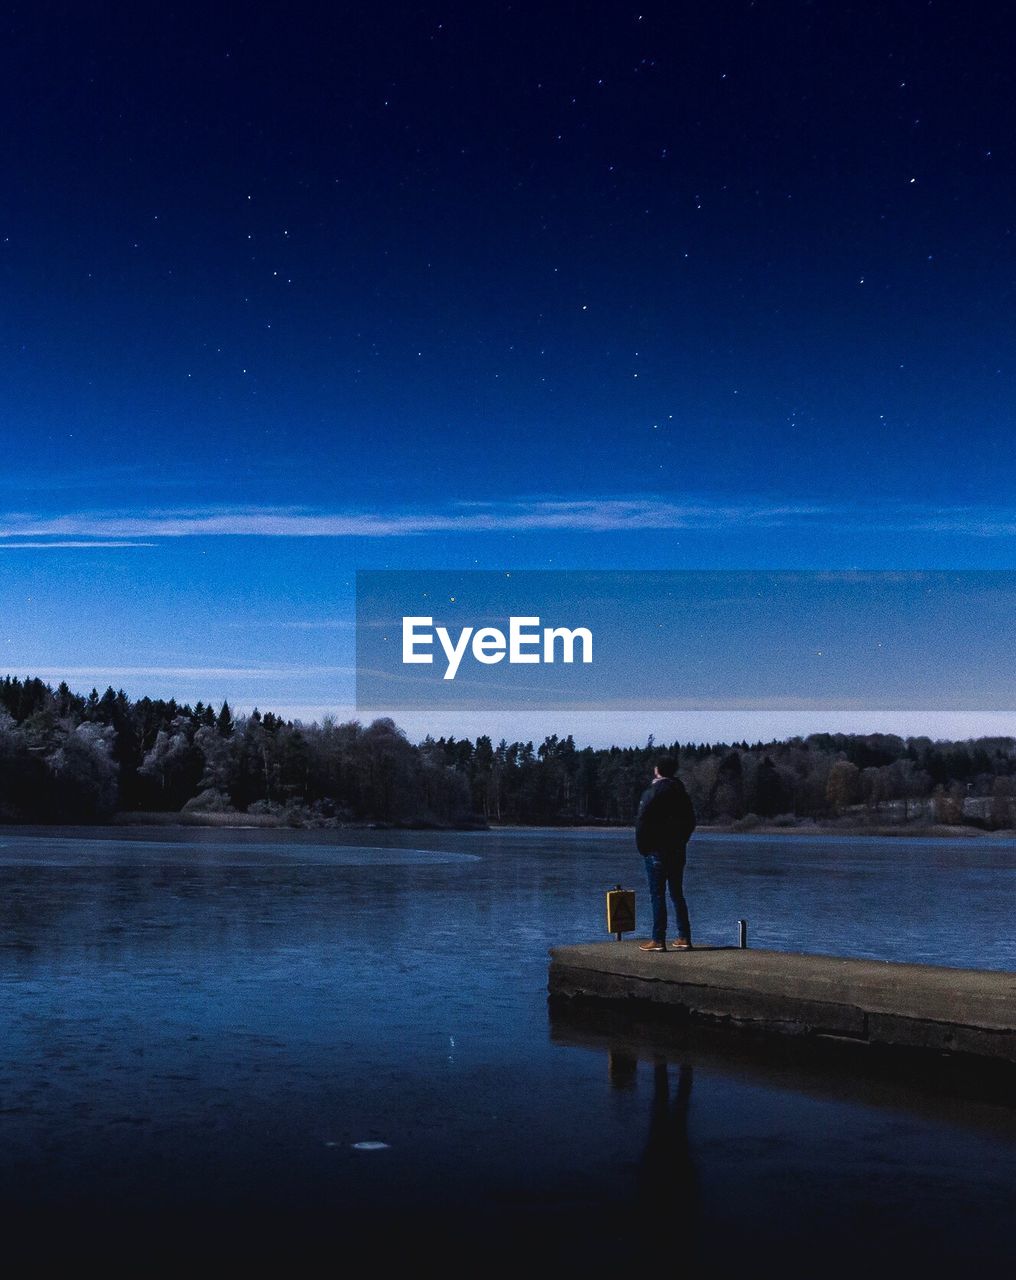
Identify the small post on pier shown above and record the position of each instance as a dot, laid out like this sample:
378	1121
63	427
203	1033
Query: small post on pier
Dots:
742	934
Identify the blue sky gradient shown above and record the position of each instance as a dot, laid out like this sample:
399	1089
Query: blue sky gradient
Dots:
297	293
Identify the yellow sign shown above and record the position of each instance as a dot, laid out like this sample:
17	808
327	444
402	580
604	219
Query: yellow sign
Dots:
620	911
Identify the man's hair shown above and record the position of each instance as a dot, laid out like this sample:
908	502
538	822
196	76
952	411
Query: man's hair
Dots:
667	766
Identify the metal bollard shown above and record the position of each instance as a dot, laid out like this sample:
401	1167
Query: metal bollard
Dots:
742	934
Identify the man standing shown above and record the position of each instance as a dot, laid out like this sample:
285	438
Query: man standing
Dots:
663	826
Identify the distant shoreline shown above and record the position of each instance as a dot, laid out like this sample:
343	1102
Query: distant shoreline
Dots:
156	821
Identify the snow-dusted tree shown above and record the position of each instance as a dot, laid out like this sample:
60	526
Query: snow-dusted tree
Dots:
86	771
219	770
173	764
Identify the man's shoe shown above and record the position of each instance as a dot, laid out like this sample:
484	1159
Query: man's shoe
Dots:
652	946
681	944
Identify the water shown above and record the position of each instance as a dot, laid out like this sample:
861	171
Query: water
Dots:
237	1044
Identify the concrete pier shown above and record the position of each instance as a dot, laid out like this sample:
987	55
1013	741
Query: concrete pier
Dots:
969	1012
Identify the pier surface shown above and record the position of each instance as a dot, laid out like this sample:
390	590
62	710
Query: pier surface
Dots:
912	1006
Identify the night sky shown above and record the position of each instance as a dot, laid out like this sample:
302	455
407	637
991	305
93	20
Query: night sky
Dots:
291	290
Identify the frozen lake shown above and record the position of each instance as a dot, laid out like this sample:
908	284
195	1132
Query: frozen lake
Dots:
259	1040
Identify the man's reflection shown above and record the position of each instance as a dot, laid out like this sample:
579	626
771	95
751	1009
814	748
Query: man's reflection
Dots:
666	1187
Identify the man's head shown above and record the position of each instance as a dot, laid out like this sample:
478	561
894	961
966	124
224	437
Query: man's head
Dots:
666	767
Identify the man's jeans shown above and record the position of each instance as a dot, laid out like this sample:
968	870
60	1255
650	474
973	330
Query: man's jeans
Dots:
666	870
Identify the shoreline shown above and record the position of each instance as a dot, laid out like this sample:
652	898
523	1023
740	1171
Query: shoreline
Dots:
149	821
242	821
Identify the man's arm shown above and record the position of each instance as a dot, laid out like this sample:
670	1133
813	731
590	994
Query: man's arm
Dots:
645	816
645	802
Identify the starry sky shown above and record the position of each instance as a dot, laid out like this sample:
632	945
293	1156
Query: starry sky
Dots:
294	290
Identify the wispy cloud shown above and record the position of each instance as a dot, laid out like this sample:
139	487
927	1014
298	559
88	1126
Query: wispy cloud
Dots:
326	624
974	521
607	514
179	673
65	545
594	515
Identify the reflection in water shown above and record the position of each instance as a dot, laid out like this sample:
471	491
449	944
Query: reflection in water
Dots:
796	1151
622	1068
667	1191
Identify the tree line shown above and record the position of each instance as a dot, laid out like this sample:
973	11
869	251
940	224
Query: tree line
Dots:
67	757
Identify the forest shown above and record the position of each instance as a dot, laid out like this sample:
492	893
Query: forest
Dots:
67	757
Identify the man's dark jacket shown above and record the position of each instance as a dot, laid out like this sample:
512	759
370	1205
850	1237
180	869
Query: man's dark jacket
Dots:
665	819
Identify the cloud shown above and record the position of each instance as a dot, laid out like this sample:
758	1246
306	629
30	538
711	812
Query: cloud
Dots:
326	624
973	521
63	546
594	515
605	514
182	673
